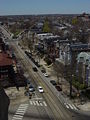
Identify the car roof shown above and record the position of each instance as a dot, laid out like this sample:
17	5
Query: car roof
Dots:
39	87
31	86
52	81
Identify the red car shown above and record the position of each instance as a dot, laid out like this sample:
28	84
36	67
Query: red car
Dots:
58	88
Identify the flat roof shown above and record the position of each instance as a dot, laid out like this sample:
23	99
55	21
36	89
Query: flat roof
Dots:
5	59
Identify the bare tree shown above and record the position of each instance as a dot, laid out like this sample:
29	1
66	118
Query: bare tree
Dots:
59	70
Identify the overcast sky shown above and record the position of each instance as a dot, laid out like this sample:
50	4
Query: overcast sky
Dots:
18	7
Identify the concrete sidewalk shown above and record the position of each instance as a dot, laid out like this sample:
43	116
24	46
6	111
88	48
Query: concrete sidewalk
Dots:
16	96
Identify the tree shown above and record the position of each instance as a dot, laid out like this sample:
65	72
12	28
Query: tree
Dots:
46	27
59	70
30	45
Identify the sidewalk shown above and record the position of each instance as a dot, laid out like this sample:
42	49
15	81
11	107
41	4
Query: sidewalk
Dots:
85	105
16	96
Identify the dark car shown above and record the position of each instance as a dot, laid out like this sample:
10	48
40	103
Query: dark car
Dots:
58	88
35	69
28	81
26	52
43	71
53	82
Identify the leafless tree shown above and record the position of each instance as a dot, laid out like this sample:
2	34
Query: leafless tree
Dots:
59	70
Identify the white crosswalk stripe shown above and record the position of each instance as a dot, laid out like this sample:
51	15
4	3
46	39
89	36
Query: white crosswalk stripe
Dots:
38	103
20	112
74	107
44	103
71	106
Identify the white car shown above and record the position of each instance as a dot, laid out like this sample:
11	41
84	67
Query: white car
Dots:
40	89
45	74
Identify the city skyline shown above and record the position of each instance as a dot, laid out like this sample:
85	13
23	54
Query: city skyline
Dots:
29	7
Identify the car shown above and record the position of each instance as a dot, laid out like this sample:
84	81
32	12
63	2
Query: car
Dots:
35	69
40	89
53	82
58	88
31	88
28	81
45	74
43	71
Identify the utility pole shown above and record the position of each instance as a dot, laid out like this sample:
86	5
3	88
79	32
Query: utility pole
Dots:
70	70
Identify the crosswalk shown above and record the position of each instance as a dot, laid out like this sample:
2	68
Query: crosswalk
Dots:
70	106
38	103
20	112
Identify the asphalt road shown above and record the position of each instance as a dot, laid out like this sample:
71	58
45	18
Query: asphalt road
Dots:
54	109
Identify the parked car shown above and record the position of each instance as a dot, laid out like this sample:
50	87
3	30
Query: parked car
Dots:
40	89
45	74
58	88
31	88
43	71
28	81
53	82
35	69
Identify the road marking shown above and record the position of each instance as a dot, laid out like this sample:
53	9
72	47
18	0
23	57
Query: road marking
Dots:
38	103
44	103
20	112
31	102
72	106
17	118
34	102
37	98
66	105
41	104
22	105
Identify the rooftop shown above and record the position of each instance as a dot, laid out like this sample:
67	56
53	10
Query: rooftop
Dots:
5	59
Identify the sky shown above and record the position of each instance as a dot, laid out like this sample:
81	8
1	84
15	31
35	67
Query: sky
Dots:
27	7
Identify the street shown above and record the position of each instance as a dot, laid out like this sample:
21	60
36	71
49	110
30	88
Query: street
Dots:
41	106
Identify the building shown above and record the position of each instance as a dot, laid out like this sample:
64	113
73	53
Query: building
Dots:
6	66
84	59
2	45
